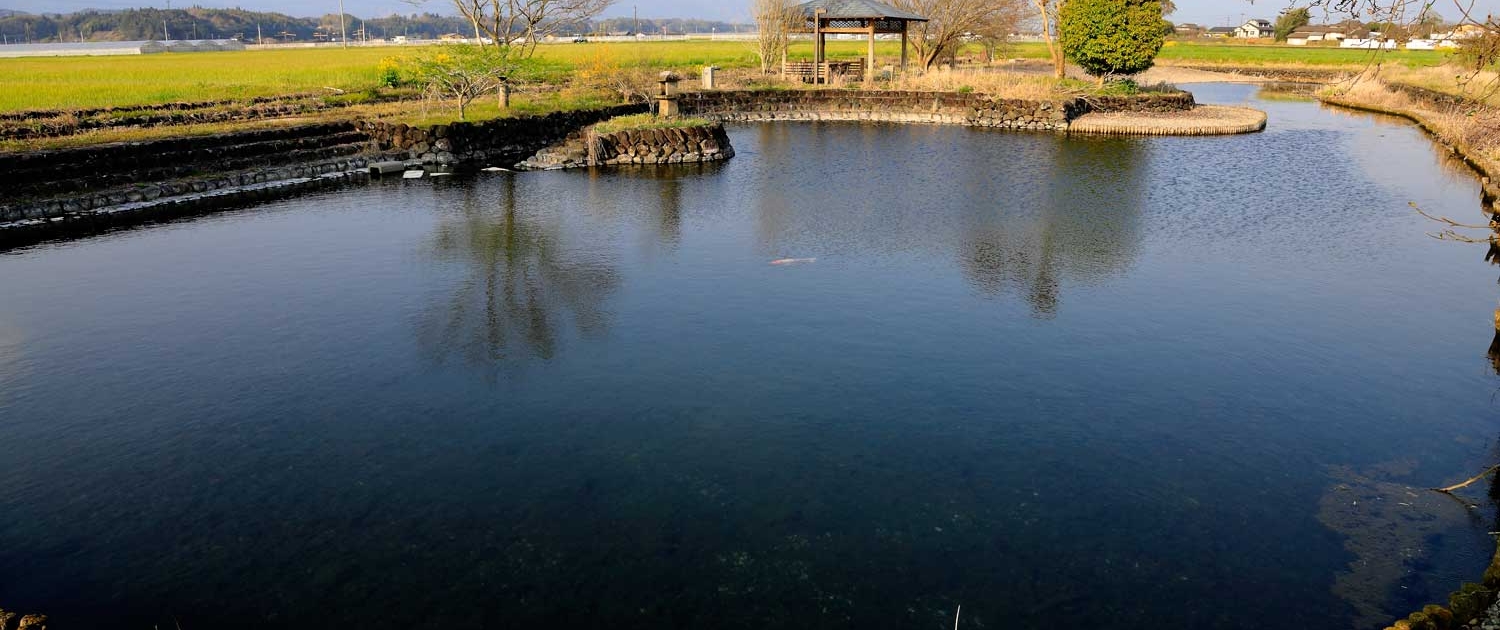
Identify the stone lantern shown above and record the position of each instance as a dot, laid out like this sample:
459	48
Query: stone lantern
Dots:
666	98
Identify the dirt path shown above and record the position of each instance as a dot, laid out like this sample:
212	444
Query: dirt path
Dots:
1179	76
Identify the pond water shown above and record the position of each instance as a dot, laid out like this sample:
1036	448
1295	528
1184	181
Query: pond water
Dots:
1106	383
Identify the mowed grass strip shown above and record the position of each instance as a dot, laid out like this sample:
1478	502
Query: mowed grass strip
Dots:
89	82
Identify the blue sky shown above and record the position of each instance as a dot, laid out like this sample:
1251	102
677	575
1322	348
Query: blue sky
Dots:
1211	12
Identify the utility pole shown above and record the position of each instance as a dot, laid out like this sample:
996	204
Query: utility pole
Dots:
259	39
343	34
635	12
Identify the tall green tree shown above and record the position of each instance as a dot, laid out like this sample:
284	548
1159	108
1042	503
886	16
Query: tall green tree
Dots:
1291	20
1111	37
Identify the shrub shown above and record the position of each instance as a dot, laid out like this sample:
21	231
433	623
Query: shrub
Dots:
1111	37
390	72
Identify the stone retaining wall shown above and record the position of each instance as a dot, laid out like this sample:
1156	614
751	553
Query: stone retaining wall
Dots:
684	145
40	174
152	191
17	621
951	108
505	141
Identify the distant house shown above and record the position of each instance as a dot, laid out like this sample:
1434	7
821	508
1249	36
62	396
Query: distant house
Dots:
1456	37
1315	34
1188	30
1255	29
1220	31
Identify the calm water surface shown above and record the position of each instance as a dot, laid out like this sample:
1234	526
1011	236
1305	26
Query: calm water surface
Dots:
1093	382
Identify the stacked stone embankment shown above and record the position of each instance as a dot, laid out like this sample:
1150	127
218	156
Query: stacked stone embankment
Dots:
952	108
675	145
42	174
31	125
505	141
17	621
82	190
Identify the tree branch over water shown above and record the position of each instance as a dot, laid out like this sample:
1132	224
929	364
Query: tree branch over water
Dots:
1451	235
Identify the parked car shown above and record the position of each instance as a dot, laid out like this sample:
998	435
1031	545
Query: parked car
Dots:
580	40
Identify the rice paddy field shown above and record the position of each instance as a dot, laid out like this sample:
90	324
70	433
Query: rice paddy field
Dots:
87	82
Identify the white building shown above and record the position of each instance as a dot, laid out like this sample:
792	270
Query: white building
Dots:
1371	44
1256	28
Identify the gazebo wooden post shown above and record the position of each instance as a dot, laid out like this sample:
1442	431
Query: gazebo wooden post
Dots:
870	58
819	46
905	26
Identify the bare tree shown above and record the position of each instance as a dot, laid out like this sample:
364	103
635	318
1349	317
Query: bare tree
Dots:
1047	14
952	21
521	24
775	19
463	72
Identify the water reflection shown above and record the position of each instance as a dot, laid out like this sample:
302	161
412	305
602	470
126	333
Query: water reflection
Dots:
522	288
10	357
1084	223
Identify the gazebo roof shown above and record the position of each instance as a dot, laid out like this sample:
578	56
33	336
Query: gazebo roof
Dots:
858	9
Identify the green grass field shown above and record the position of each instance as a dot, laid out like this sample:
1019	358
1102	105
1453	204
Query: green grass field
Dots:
85	82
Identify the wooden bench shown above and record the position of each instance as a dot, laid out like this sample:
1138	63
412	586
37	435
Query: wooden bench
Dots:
806	70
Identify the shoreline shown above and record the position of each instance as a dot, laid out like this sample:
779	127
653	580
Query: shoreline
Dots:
1475	605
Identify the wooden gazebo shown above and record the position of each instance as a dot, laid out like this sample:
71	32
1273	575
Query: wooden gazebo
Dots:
852	17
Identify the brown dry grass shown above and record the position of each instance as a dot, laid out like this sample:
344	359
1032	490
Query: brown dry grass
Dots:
1029	87
1481	86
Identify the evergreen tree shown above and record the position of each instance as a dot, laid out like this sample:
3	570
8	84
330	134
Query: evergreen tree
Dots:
1111	37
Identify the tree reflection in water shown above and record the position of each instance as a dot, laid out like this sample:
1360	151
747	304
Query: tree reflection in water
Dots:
1081	223
522	286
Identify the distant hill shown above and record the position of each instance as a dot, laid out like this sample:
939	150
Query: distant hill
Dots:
201	23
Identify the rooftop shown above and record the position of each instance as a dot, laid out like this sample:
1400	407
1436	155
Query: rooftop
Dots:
858	9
